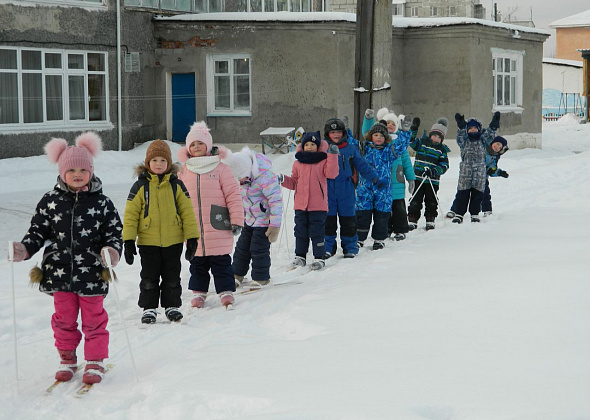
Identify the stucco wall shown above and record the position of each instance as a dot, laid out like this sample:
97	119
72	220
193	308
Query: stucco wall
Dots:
569	40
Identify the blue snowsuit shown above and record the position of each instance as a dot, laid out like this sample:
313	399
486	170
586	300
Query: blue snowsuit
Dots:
342	196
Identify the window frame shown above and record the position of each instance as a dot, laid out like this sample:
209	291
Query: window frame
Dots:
232	111
516	78
66	122
102	4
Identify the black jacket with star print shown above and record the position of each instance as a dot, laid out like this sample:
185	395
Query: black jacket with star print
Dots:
74	227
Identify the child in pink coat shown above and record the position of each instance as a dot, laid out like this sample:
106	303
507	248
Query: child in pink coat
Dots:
217	203
309	180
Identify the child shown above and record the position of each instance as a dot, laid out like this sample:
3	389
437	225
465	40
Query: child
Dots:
309	180
217	204
263	209
494	151
77	224
374	199
472	169
430	163
160	217
341	190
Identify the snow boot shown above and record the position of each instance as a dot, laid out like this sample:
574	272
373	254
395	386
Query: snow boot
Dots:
475	219
360	244
429	224
458	219
317	264
378	245
239	280
256	284
298	262
173	314
487	213
93	372
199	300
327	255
399	237
451	214
227	298
349	255
149	316
68	366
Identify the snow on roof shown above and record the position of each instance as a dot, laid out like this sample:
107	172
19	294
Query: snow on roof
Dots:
398	22
559	61
581	19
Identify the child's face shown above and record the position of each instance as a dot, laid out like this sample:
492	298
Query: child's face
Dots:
472	129
310	146
198	149
158	165
435	138
496	146
335	135
378	139
391	127
77	178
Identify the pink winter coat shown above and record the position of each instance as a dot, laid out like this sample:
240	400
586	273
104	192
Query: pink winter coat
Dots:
216	199
309	180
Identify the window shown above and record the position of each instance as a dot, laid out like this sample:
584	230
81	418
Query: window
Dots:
433	11
228	85
414	12
452	11
398	10
216	6
508	75
41	87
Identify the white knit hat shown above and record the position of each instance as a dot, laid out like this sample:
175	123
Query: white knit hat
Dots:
241	163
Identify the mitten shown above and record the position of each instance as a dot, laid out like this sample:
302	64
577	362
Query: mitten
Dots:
495	123
272	233
191	248
460	121
333	149
280	177
503	174
370	114
407	123
381	182
130	251
113	256
19	252
428	171
411	186
235	229
415	124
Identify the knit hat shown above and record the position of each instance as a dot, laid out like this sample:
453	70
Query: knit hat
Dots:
391	117
158	148
81	155
473	122
199	132
503	142
440	128
313	137
378	128
241	163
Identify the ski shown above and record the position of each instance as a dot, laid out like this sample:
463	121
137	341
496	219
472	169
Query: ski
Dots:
54	385
287	283
85	388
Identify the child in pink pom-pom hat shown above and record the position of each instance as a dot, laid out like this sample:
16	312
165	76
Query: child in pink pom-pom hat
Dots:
77	224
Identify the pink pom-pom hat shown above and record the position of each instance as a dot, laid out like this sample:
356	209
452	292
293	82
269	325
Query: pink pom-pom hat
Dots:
81	155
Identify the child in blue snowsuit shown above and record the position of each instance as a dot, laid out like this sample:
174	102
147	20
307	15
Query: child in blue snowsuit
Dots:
374	200
341	190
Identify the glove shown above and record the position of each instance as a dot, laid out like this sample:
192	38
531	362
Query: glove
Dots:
370	114
236	230
495	123
380	182
19	252
280	177
428	171
333	149
191	248
113	256
272	233
407	123
504	174
411	186
129	251
460	121
415	124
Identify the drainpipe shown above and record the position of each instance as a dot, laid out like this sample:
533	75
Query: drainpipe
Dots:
119	117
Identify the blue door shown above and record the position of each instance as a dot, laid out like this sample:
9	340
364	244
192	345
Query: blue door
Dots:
184	111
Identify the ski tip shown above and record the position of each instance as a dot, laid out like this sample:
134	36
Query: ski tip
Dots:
229	307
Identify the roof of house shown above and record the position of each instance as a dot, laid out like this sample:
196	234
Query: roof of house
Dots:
398	22
581	19
561	62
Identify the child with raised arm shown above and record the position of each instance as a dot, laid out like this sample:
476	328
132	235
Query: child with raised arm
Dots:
77	224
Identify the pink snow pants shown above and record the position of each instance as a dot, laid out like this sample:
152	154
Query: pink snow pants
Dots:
94	324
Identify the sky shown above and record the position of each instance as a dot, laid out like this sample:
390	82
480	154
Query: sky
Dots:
478	321
544	12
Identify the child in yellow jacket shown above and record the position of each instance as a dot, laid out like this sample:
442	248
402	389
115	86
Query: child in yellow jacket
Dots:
159	216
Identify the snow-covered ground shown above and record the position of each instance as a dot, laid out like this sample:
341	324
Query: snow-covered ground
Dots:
472	321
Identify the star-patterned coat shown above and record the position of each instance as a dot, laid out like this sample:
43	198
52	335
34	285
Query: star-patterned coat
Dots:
74	227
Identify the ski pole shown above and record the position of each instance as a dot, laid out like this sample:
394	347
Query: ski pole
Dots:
434	191
416	190
11	259
107	259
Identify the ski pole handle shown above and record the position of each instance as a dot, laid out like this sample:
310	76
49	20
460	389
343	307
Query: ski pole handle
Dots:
11	251
107	257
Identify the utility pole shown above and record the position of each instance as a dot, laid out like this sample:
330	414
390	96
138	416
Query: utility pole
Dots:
372	70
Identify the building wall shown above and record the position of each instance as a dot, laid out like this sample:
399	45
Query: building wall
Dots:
464	8
569	40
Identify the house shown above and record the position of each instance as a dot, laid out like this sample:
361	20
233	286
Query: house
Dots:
562	88
572	33
243	72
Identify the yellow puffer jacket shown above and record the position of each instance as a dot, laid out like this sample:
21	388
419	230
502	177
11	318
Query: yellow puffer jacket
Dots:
159	224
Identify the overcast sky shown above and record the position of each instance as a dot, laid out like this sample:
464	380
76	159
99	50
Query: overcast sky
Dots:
544	12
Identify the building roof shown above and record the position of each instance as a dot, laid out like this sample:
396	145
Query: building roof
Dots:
581	19
561	62
398	22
